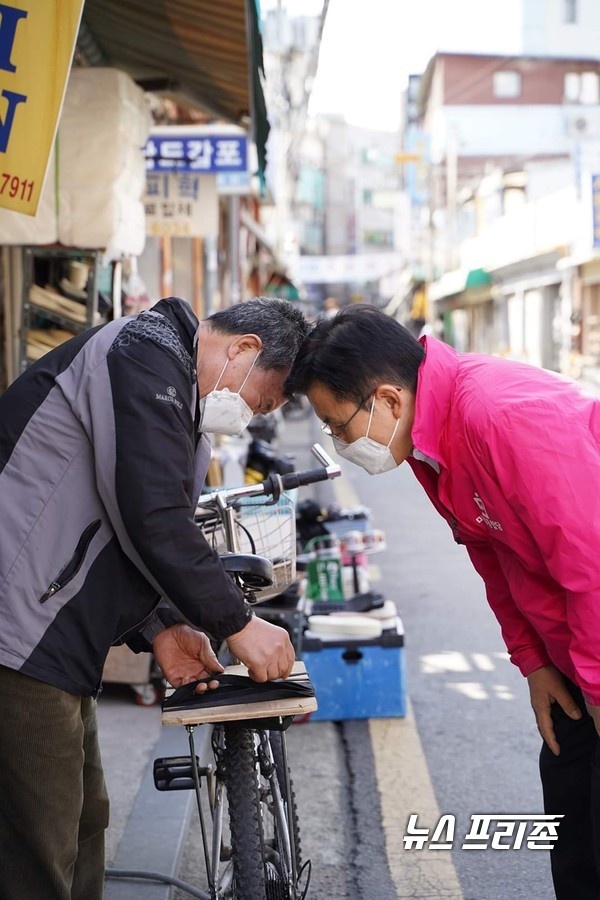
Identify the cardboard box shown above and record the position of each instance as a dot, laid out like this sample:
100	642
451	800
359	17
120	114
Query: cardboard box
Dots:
356	678
123	666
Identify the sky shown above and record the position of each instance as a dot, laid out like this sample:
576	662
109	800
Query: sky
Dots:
371	46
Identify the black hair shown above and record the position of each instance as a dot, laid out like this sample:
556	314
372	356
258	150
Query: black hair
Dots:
279	324
353	352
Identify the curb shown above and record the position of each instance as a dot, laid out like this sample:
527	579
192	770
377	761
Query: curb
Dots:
155	832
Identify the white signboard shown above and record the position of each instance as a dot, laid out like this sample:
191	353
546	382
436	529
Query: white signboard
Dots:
181	204
347	269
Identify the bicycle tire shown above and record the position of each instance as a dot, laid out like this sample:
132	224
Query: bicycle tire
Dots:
244	813
259	868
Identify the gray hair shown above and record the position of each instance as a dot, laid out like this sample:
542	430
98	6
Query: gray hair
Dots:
278	323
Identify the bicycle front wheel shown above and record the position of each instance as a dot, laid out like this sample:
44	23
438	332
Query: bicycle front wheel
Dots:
265	860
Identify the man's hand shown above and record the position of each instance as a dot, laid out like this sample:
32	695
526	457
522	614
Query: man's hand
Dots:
185	655
594	712
545	686
264	648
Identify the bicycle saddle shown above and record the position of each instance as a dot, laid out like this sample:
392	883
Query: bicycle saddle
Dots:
255	571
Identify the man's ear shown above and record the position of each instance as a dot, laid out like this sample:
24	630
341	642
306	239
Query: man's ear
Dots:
393	396
243	342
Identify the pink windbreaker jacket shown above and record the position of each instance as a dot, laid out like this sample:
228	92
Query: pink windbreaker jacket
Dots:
519	483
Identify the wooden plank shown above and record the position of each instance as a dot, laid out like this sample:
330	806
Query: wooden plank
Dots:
288	706
241	711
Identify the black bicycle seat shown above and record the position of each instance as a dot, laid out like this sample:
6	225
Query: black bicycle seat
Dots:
255	571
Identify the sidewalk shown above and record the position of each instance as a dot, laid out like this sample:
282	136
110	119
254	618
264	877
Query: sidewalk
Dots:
146	827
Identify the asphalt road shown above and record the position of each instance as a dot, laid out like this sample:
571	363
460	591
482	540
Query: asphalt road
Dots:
471	705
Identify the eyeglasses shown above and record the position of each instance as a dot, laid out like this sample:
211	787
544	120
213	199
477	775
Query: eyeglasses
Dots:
340	429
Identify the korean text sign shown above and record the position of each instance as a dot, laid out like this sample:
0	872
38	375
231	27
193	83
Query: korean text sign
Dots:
208	154
37	39
181	204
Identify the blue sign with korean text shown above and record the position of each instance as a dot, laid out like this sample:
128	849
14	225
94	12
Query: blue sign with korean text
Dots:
197	153
596	210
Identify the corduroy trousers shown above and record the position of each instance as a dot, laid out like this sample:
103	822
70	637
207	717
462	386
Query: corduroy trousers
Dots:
53	800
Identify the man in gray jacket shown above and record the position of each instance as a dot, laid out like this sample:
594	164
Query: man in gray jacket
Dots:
102	458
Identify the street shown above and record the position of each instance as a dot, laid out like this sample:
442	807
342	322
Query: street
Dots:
208	210
470	745
471	705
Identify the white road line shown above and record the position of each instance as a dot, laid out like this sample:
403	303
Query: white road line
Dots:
404	788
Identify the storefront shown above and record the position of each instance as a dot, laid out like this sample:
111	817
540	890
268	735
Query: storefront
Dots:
201	62
528	315
463	310
588	315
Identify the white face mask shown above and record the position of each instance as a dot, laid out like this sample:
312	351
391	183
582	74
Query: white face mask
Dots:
373	457
225	411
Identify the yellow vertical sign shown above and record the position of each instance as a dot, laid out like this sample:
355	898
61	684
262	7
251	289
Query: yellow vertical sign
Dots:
37	40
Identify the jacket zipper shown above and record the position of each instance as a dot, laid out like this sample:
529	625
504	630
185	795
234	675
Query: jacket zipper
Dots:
74	565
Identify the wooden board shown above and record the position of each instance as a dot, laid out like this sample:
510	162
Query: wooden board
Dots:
292	706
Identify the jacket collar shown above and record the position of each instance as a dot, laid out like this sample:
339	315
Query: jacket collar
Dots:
435	386
181	315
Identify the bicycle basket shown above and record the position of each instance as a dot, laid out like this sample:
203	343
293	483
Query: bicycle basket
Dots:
264	530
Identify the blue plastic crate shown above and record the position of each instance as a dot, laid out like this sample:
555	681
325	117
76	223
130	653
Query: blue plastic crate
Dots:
357	678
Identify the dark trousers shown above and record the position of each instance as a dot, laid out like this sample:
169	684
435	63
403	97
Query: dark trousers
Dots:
53	801
571	785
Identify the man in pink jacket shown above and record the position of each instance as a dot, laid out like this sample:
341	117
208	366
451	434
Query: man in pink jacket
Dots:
510	456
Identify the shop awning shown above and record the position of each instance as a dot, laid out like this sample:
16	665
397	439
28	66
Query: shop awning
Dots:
197	52
457	281
478	278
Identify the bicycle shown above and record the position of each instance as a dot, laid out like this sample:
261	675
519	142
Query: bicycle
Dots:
251	849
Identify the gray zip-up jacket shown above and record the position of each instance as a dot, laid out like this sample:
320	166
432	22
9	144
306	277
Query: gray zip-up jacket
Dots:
101	465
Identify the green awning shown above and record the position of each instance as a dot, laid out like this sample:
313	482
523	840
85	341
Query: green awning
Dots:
478	278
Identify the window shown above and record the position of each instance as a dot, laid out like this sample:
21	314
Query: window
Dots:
589	88
507	84
582	87
572	87
570	12
369	155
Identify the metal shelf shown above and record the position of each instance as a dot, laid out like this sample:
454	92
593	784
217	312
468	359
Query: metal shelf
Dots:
57	318
31	309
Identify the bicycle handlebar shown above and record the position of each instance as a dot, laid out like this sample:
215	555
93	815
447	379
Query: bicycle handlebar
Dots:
275	484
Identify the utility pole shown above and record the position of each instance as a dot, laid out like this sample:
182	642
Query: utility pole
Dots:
234	250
